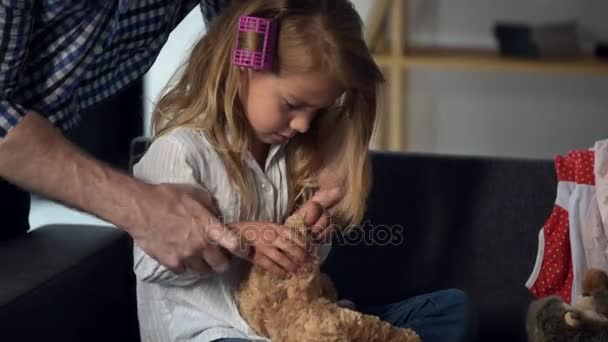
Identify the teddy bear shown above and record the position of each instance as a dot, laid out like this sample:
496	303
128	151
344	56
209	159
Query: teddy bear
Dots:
303	307
550	319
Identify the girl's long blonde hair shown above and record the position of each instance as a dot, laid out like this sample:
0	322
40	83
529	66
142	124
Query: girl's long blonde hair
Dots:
313	35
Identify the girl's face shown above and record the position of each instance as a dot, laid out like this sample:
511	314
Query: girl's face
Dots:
279	107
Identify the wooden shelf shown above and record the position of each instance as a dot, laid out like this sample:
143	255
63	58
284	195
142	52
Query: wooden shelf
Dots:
386	36
489	60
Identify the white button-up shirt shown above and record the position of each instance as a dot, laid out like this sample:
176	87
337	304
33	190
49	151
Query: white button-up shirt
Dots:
188	306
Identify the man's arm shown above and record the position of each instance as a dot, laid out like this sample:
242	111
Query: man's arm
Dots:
37	157
15	31
170	222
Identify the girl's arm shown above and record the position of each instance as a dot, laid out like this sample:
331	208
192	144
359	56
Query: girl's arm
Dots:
150	271
168	161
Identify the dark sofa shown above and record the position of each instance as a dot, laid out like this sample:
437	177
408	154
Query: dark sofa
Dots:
466	222
461	222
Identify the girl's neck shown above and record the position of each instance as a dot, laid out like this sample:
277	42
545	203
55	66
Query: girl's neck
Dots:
259	150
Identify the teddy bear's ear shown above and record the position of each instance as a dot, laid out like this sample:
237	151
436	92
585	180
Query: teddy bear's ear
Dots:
594	279
572	319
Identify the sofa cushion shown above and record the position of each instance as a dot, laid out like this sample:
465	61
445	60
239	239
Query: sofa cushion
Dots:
68	283
15	211
464	222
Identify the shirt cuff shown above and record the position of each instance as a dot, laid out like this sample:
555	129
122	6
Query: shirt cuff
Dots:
10	116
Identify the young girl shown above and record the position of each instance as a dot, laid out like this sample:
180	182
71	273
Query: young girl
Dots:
263	143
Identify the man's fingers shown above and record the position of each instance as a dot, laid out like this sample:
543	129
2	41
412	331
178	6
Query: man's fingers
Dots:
176	269
204	197
173	264
325	235
328	198
312	211
198	265
219	234
320	225
216	258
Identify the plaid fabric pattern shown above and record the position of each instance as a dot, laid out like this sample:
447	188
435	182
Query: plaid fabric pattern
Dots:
58	57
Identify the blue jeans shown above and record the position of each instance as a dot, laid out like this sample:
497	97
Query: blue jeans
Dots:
442	316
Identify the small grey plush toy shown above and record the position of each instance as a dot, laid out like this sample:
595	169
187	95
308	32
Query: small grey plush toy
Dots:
549	319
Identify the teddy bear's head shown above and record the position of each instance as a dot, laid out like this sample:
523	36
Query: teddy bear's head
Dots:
593	304
550	319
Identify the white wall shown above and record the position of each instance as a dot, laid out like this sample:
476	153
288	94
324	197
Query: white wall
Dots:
503	113
171	57
480	113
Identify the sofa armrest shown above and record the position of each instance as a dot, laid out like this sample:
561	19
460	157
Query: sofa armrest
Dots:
68	283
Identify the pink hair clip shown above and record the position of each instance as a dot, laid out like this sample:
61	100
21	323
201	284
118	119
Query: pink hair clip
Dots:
262	59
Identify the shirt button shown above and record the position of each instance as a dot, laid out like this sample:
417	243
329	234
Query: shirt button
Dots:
265	187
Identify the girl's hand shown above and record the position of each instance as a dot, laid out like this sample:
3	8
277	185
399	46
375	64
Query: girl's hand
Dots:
275	248
317	212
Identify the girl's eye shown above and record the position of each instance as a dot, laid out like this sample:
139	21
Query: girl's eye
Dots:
291	106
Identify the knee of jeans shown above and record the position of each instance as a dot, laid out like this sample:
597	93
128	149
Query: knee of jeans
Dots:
453	298
457	300
459	307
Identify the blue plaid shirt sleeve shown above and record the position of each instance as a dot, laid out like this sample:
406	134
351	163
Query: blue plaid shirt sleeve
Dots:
15	29
57	71
212	8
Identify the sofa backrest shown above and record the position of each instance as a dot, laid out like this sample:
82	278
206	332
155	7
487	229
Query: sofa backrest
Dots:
465	222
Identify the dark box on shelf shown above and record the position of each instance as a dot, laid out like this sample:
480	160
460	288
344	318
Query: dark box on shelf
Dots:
601	50
553	40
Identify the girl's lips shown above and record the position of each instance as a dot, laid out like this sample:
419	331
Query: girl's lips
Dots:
284	136
281	137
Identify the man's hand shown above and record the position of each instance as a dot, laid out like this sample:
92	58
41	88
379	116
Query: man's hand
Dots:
170	222
275	248
317	212
176	225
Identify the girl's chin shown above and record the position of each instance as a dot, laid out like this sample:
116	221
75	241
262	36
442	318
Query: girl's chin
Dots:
275	138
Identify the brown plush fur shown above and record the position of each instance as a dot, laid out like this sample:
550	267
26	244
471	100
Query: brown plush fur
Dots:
594	279
551	320
546	323
302	307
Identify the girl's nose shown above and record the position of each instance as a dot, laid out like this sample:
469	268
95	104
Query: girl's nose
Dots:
301	122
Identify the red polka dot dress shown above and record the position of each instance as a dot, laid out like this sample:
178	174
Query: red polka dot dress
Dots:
560	257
